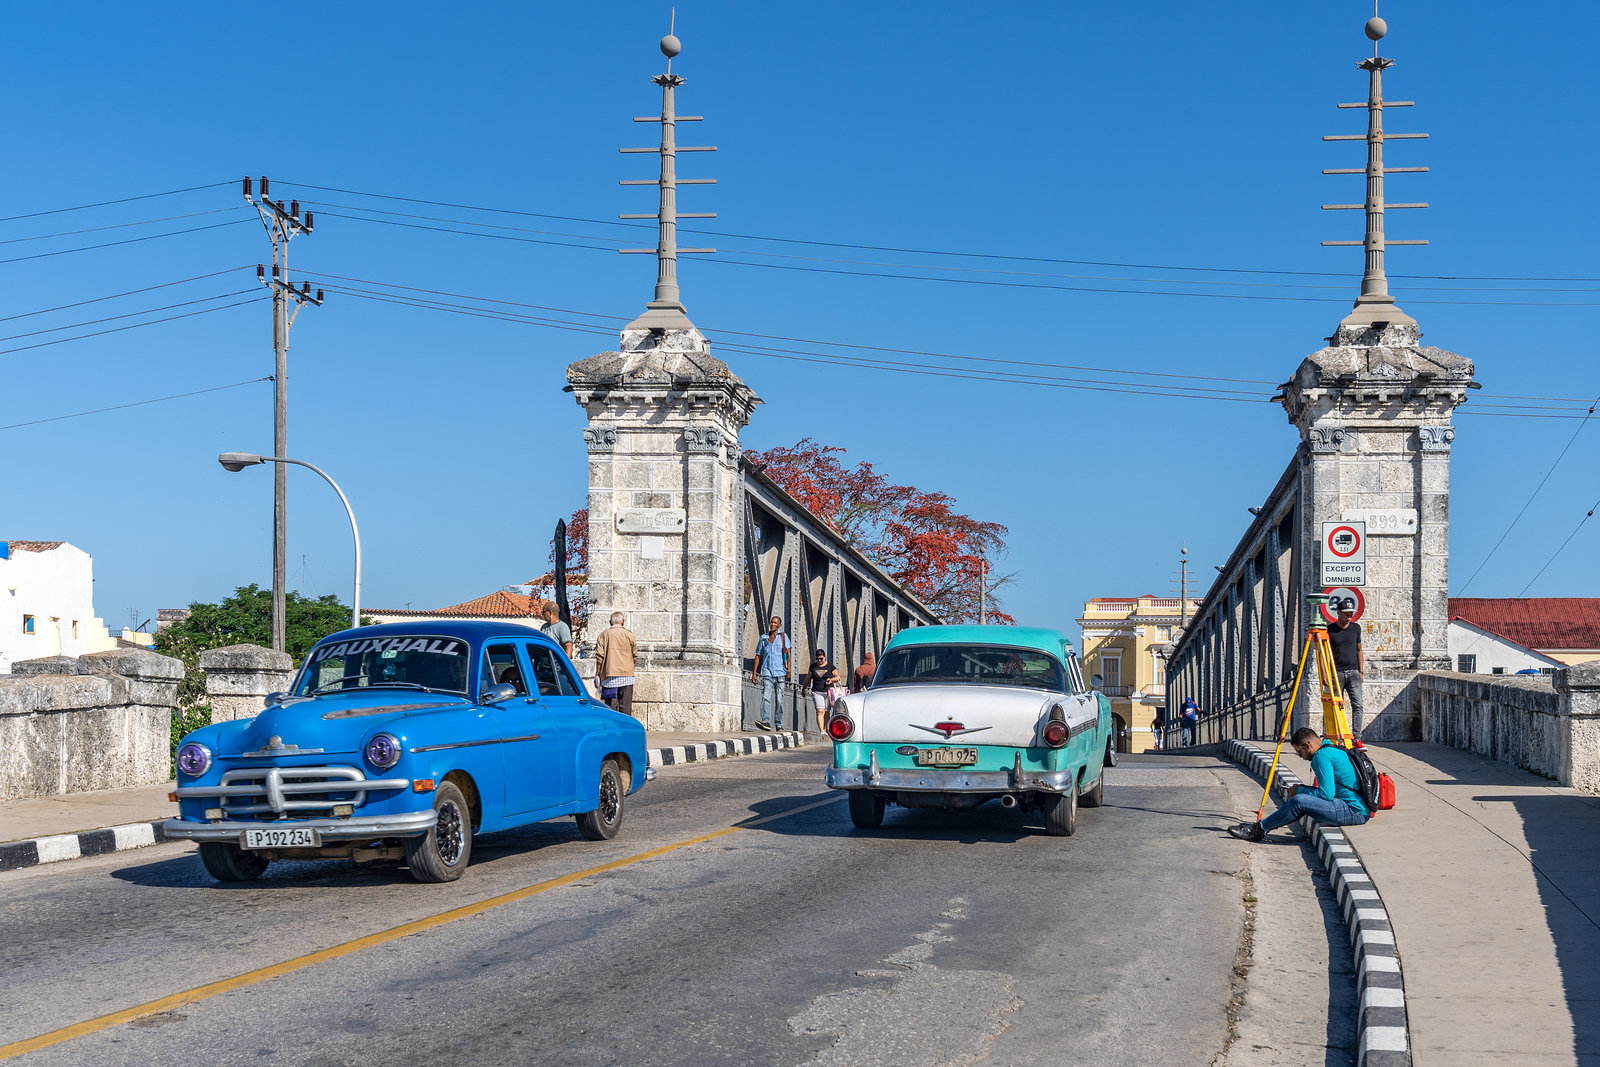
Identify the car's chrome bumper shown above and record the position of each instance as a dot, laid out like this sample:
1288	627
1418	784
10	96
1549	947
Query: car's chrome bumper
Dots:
935	780
358	828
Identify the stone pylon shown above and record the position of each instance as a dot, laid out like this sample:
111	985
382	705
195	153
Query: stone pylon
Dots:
665	519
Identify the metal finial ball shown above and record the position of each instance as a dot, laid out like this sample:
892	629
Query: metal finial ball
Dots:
671	46
1376	28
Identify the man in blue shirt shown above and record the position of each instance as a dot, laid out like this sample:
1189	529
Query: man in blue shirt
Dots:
1335	799
771	671
1190	720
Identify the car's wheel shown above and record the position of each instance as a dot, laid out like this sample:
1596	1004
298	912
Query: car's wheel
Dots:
1096	794
230	863
1111	752
602	823
1061	812
867	807
443	852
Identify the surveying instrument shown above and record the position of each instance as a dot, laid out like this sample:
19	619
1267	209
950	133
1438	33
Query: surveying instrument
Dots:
1335	722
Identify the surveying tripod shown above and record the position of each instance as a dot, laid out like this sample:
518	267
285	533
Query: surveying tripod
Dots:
1335	722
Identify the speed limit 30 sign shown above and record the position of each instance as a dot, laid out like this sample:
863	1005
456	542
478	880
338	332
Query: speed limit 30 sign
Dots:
1341	597
1344	553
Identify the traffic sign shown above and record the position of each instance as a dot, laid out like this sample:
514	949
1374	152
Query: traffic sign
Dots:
1339	596
1344	553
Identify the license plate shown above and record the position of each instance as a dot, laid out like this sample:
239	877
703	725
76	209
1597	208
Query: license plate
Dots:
287	837
946	757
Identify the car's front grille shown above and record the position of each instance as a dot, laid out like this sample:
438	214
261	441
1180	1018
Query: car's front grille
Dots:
269	792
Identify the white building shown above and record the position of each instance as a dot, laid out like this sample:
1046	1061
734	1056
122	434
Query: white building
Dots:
1476	649
47	602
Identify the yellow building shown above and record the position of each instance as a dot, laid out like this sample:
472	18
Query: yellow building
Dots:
1125	640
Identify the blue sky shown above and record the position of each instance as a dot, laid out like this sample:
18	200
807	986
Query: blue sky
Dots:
1162	135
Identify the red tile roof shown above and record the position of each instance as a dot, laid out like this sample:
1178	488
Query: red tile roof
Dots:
497	605
35	546
1541	623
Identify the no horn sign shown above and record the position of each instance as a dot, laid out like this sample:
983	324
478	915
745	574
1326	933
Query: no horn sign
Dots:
1344	553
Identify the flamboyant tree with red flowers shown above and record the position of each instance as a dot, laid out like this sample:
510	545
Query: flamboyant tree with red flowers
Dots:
916	536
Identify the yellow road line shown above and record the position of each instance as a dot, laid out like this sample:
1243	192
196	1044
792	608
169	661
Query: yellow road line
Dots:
416	926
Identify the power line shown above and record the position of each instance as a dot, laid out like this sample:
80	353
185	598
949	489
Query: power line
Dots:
108	203
116	226
115	296
131	326
932	251
127	241
1586	517
134	404
1527	503
126	315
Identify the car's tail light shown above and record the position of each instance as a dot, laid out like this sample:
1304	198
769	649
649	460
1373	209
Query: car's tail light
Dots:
1055	733
193	759
840	726
383	751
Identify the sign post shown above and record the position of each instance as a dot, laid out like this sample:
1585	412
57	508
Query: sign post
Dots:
1344	553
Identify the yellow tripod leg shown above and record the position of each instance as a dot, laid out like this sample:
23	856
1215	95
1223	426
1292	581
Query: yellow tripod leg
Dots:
1288	717
1335	723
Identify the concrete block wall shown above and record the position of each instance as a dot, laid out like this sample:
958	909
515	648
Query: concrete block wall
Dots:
101	721
1514	720
239	677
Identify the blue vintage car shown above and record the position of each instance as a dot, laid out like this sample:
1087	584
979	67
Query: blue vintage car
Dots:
400	742
960	715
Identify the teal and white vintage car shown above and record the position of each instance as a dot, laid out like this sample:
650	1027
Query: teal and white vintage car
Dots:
960	715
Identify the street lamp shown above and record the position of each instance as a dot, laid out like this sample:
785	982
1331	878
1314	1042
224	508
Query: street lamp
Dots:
238	461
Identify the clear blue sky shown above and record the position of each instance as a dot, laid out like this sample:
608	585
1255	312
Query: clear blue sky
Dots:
1166	134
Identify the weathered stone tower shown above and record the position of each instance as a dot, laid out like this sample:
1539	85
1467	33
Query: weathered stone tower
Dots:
1374	413
665	505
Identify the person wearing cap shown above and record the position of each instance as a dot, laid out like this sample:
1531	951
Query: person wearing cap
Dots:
1344	638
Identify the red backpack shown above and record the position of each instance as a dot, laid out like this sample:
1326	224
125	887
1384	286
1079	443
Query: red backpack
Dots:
1375	787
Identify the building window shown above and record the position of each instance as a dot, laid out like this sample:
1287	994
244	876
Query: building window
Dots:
1467	664
1547	671
27	624
1497	670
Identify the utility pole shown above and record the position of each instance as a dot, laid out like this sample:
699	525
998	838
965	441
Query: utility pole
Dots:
983	583
281	224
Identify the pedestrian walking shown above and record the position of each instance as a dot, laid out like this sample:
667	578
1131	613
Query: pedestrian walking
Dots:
1157	726
822	680
771	671
861	677
558	631
1344	637
1190	720
1334	799
615	654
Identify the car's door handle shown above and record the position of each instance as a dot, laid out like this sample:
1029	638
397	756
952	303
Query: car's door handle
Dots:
530	700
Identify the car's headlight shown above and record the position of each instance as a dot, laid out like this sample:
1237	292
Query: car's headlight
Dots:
383	751
193	759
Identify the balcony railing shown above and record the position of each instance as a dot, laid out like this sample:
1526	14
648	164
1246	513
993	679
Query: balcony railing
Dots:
1116	690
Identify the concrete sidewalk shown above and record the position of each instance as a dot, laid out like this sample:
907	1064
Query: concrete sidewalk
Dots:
108	820
1489	875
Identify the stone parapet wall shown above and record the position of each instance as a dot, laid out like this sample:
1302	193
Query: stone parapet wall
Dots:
1514	720
239	677
101	721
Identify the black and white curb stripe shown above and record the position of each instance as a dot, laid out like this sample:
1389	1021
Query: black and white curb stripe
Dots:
732	746
1384	1039
18	854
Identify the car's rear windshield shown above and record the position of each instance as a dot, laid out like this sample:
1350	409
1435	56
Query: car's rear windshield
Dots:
971	664
412	661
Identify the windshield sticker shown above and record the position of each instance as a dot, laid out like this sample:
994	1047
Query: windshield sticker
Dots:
390	646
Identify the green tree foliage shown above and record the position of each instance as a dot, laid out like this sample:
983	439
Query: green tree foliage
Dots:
246	618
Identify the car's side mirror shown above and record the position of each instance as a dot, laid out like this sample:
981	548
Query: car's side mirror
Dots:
1096	681
274	699
496	693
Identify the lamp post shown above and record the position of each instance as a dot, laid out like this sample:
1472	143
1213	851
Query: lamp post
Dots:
238	461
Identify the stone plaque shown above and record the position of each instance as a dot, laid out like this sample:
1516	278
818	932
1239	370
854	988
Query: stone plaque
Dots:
651	521
1385	522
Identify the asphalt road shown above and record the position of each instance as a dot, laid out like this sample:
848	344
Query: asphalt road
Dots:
942	938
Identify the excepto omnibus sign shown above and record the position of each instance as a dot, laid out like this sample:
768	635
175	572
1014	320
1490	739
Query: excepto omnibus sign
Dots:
1344	553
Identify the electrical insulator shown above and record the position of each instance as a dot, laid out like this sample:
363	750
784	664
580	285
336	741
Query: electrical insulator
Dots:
294	207
319	296
308	222
261	272
274	272
305	288
247	188
263	187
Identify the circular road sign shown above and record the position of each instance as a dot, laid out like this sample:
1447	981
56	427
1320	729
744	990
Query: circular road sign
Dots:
1340	595
1344	541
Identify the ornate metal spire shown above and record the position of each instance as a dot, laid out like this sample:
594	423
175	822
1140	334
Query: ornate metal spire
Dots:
1375	306
665	311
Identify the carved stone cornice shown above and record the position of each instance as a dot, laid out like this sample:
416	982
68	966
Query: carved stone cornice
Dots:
1435	438
702	438
600	438
1321	439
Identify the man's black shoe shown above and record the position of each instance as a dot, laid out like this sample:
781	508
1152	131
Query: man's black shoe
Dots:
1247	831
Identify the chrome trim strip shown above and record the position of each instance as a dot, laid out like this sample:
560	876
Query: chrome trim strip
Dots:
948	734
475	744
406	824
387	709
941	781
268	784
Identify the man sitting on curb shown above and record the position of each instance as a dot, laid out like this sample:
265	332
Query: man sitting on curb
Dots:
1335	800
